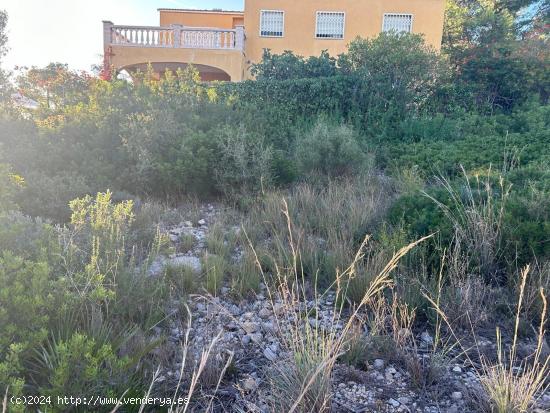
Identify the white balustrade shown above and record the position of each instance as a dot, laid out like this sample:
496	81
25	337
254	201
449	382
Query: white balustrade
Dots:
176	37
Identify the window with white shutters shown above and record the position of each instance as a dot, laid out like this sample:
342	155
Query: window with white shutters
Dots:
397	22
330	25
272	23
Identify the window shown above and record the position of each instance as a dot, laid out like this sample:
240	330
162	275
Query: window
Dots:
272	23
330	25
397	22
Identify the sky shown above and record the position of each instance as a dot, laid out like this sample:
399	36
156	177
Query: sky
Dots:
70	31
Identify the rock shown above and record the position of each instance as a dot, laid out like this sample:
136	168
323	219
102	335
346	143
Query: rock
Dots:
269	354
264	313
457	369
269	327
249	384
379	376
201	222
404	400
453	409
245	340
378	364
185	260
456	395
256	337
232	326
234	310
391	370
426	338
393	402
157	267
250	327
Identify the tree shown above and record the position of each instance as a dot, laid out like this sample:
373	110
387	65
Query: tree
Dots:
4	85
482	40
55	85
3	34
396	75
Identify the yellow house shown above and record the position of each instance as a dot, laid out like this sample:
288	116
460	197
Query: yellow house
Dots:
223	44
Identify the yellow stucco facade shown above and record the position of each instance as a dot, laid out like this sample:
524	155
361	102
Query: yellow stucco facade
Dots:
202	18
223	44
361	18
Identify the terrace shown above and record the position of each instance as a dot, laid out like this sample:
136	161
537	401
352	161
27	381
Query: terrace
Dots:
217	53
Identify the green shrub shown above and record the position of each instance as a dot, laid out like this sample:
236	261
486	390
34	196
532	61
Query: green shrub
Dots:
527	225
49	196
420	215
30	302
82	366
245	162
8	185
289	66
106	275
330	150
29	238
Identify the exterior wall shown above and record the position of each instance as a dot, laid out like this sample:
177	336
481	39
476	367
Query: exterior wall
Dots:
363	18
201	18
229	61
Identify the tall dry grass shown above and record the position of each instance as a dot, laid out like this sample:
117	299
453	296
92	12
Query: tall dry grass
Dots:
328	222
188	389
476	212
302	382
510	385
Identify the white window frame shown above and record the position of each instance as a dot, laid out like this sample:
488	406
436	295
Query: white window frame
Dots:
394	15
272	11
321	12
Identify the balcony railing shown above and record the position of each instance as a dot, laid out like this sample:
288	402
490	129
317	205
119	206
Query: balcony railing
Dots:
174	37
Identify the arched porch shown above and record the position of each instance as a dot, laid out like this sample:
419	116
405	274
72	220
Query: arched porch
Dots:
218	54
206	73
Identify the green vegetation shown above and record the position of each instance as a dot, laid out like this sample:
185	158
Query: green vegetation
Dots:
390	140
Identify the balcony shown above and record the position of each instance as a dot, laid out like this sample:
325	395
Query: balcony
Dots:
177	37
218	54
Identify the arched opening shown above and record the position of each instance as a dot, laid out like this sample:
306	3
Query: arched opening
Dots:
207	73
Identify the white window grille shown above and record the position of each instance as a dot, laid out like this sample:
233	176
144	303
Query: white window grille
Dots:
330	25
397	22
272	23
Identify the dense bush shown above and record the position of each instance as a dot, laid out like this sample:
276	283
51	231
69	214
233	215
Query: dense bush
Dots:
178	137
330	150
377	84
289	66
518	140
73	299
